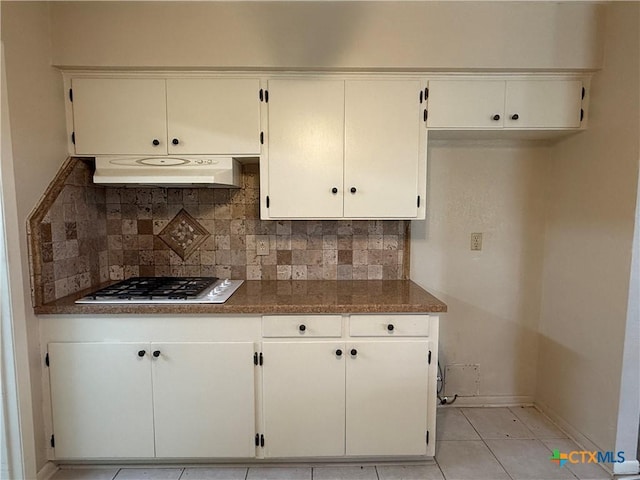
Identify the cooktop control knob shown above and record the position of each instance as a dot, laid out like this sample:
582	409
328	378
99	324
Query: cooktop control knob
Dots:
226	282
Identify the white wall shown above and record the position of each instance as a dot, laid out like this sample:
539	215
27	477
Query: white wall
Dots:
493	295
36	107
343	35
591	211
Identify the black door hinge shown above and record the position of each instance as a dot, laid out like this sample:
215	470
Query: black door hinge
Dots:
429	357
418	201
427	437
261	138
71	94
425	114
46	359
261	95
73	137
581	114
257	358
583	92
268	201
53	441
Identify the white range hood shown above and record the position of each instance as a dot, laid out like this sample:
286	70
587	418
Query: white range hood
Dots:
168	171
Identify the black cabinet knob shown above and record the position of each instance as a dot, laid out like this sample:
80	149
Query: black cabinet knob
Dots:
302	327
353	190
496	117
142	353
338	352
156	142
390	327
515	116
175	141
334	190
354	352
156	353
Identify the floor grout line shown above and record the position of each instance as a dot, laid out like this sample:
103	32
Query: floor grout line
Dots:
485	444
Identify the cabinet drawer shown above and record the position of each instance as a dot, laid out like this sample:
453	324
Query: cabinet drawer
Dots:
389	325
300	326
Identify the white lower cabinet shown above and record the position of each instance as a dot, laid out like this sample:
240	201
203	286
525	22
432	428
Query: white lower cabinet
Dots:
101	400
348	396
304	398
141	400
203	399
275	387
387	397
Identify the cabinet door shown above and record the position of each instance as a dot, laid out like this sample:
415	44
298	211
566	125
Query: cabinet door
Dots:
203	399
101	400
382	148
386	406
465	104
305	145
213	116
303	399
543	103
119	116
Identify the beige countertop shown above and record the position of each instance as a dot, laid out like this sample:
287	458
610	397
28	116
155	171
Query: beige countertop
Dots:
281	297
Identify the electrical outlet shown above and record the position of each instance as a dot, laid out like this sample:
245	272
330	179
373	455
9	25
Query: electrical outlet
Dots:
262	245
476	241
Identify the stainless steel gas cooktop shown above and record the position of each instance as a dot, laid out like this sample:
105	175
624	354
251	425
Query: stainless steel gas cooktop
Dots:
165	290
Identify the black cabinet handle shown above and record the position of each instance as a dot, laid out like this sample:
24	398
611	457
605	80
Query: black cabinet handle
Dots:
156	353
175	141
142	353
354	352
156	142
338	352
302	327
496	117
390	327
515	116
353	190
334	190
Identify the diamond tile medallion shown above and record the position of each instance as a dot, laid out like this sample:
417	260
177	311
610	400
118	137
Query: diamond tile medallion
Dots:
184	234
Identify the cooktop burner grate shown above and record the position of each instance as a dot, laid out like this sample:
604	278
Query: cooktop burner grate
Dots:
172	288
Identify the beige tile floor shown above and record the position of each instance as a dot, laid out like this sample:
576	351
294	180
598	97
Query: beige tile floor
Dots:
503	443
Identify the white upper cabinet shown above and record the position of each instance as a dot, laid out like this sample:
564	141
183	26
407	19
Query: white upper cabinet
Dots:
543	104
517	104
305	148
344	149
119	115
465	104
157	116
212	115
383	147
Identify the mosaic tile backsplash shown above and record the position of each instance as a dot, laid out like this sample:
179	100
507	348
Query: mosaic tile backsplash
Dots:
115	233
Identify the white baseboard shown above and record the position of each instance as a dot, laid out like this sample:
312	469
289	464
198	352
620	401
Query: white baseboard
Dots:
46	472
493	401
575	435
628	467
